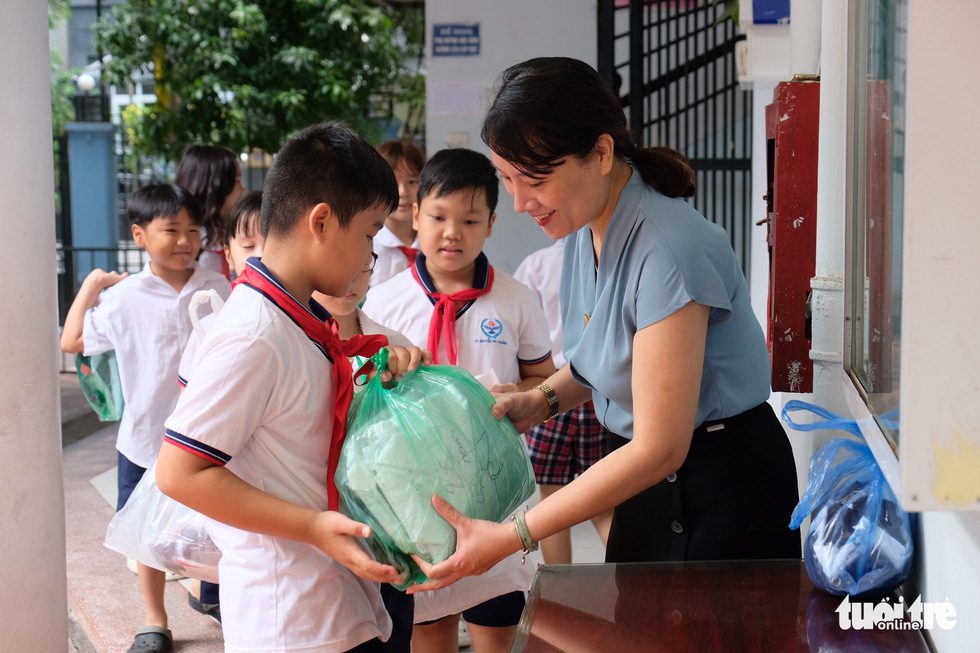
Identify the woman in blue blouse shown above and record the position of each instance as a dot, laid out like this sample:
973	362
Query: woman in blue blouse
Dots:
659	332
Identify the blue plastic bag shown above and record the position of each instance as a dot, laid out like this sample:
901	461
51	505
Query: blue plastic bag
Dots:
860	538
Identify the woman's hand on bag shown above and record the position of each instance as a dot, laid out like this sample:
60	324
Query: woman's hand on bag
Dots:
402	360
334	533
479	546
525	409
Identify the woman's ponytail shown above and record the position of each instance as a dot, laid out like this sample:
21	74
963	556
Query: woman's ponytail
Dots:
666	170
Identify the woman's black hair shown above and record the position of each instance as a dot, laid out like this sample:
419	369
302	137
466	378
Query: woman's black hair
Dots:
550	108
209	173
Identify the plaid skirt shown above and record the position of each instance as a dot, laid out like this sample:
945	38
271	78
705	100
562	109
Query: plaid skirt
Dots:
566	446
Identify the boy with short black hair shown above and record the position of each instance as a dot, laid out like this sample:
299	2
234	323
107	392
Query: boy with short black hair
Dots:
486	322
144	318
256	435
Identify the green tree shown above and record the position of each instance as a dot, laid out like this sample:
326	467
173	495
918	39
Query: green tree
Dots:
248	74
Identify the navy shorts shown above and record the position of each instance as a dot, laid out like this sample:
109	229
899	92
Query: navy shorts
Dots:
499	612
128	474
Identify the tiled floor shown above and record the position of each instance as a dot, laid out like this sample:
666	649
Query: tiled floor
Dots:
104	600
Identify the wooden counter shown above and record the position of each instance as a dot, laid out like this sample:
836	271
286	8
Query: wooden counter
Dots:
757	606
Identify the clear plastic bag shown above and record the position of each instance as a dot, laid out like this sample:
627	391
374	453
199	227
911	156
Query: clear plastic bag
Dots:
860	538
163	533
98	377
432	433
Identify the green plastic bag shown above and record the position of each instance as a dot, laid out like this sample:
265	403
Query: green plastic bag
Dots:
432	433
99	379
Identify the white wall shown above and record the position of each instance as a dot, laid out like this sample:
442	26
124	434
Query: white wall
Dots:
459	88
938	164
941	306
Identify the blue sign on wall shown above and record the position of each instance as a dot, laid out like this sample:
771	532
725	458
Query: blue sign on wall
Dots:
455	39
770	12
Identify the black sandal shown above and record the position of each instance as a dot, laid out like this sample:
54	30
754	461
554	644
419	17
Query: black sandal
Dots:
152	639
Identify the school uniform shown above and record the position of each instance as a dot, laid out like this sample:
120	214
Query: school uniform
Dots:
146	322
263	401
399	605
393	256
371	327
734	494
214	260
541	272
495	331
564	447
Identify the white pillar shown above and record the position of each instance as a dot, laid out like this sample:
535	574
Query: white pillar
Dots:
33	596
804	36
827	284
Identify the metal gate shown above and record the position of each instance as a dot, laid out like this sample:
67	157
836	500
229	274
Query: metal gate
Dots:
673	65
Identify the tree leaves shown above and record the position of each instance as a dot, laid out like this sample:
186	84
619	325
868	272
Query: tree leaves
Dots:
248	74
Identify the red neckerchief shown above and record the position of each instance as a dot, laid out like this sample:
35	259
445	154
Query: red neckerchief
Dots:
442	324
323	335
362	345
409	252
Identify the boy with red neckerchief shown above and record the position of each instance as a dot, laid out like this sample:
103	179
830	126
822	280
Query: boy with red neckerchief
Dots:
255	438
467	314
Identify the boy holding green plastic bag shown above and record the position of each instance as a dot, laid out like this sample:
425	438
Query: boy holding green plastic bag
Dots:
255	437
453	302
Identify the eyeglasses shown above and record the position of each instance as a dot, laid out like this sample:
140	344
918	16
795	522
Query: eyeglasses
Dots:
374	261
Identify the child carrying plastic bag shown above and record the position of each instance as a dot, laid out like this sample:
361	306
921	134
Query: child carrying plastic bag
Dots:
432	433
860	538
163	533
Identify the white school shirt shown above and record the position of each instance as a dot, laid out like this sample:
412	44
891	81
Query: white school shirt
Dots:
145	321
371	328
391	260
541	272
495	332
260	401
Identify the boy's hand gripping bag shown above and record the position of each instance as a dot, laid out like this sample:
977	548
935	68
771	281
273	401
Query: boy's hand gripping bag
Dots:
163	533
432	433
98	377
860	538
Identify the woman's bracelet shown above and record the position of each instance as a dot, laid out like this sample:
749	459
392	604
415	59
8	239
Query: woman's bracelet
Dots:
551	397
528	545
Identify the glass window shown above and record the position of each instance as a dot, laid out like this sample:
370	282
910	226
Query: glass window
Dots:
875	212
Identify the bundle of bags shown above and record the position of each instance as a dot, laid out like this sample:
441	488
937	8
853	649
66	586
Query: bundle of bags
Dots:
860	538
431	433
